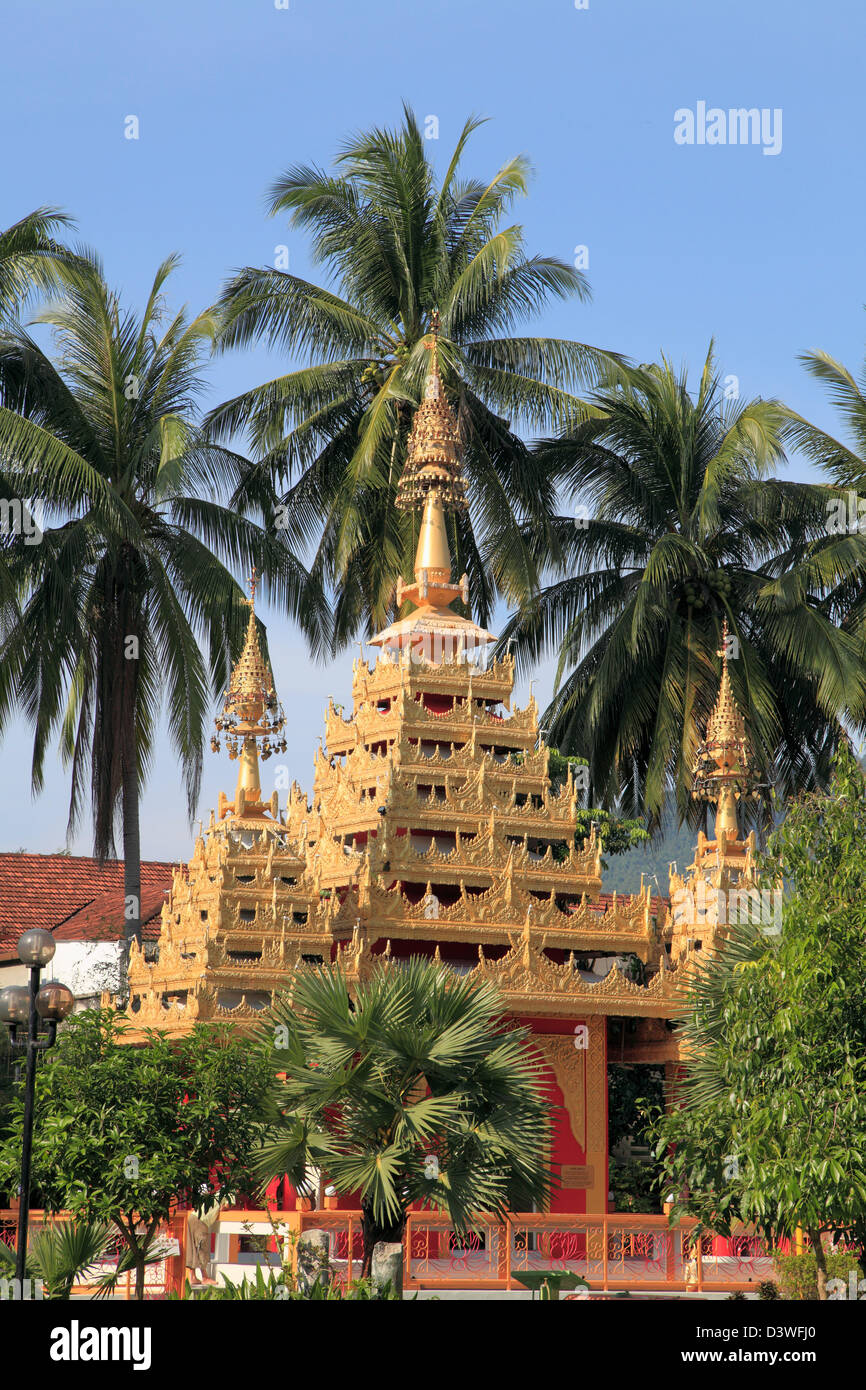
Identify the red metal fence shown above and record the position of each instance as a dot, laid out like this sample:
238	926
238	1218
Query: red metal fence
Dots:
160	1279
612	1252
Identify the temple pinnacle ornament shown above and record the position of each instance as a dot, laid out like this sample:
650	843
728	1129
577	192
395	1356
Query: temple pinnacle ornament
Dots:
725	769
252	718
433	459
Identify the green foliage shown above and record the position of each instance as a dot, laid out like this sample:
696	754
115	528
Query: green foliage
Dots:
617	835
417	1090
634	1095
687	527
398	243
126	1132
798	1274
282	1288
839	551
634	1186
773	1125
32	258
768	1291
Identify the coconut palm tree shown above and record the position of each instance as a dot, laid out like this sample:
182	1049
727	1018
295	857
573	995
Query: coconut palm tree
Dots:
680	526
400	244
131	565
843	548
415	1090
32	258
31	262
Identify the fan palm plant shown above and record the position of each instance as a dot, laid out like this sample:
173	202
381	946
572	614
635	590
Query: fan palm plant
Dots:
682	526
399	245
131	565
417	1090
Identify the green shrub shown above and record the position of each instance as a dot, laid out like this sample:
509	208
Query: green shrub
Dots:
634	1186
768	1290
798	1275
282	1288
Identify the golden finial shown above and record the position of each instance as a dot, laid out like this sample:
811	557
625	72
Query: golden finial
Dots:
432	476
725	769
252	717
433	456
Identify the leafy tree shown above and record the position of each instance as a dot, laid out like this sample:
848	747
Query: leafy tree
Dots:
771	1128
124	1133
633	1092
399	244
617	835
127	575
415	1090
683	527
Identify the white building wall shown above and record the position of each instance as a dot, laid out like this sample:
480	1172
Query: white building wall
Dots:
88	968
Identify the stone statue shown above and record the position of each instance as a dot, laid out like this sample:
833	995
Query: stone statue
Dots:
200	1224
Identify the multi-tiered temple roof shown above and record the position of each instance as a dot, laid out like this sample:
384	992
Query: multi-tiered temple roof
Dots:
433	825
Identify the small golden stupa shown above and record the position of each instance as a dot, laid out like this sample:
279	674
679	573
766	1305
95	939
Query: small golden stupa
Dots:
251	722
244	911
721	881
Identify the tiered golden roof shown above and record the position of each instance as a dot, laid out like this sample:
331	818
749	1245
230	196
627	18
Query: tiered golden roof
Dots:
433	829
243	912
434	820
241	917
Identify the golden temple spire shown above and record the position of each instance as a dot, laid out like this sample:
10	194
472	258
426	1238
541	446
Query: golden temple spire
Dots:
251	713
725	770
433	457
433	476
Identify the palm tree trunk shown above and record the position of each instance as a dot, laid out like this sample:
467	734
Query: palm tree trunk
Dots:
131	854
373	1231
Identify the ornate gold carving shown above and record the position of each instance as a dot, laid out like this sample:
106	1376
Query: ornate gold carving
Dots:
568	1067
595	1146
433	456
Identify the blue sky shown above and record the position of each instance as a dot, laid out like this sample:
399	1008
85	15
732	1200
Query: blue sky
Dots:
761	252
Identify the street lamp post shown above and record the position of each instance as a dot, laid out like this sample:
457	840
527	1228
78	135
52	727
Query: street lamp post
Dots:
30	1005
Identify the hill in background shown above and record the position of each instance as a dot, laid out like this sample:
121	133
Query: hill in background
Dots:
653	860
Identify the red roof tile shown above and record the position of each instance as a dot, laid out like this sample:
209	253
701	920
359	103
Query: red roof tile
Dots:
102	920
77	898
